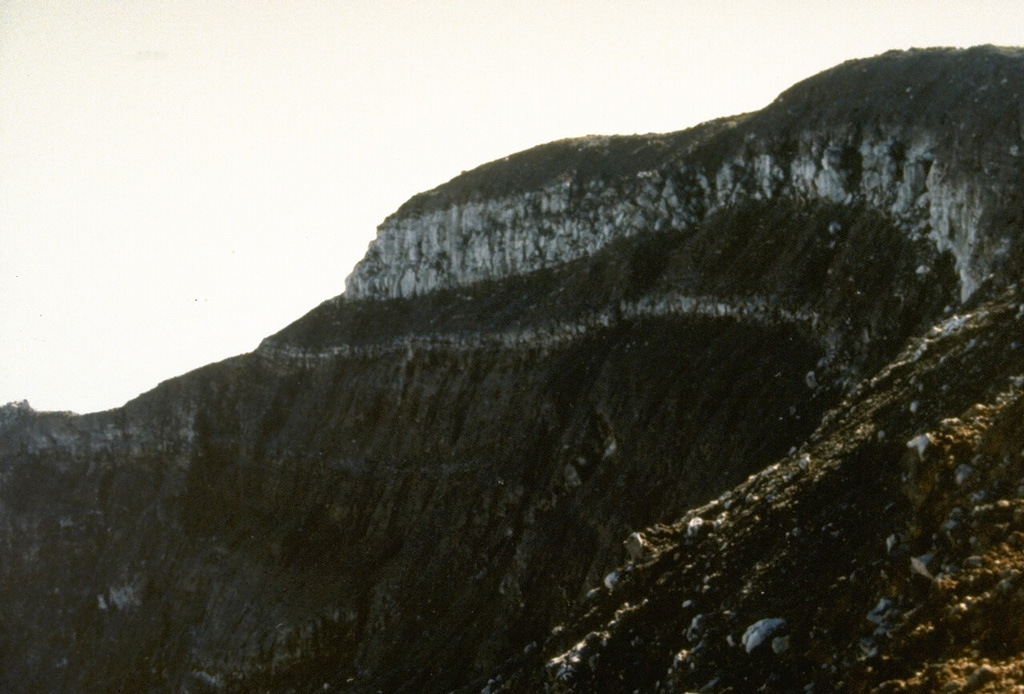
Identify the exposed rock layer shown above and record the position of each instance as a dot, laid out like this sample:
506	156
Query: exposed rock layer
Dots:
891	142
425	484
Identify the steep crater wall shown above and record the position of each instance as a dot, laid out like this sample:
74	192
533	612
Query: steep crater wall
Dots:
920	172
421	478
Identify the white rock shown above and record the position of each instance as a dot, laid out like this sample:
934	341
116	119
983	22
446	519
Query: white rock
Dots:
920	443
611	579
636	546
459	244
920	565
877	615
610	448
572	478
695	627
760	630
963	472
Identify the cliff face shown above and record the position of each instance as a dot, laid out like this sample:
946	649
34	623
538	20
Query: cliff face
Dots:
425	483
901	141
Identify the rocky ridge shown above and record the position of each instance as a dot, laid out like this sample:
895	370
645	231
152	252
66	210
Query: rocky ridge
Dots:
714	345
921	178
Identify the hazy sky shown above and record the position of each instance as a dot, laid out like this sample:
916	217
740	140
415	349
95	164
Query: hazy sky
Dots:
181	178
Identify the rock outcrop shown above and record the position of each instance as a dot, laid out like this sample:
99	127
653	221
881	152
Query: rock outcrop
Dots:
892	143
725	409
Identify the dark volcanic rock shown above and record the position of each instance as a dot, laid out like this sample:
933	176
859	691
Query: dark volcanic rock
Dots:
778	352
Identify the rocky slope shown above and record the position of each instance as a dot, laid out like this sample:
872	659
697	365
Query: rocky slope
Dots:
729	409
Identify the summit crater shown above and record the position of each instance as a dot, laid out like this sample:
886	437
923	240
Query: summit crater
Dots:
730	409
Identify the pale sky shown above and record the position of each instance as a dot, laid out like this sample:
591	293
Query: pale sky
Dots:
181	178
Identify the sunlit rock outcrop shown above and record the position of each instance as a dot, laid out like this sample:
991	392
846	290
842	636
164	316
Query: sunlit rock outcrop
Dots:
921	175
